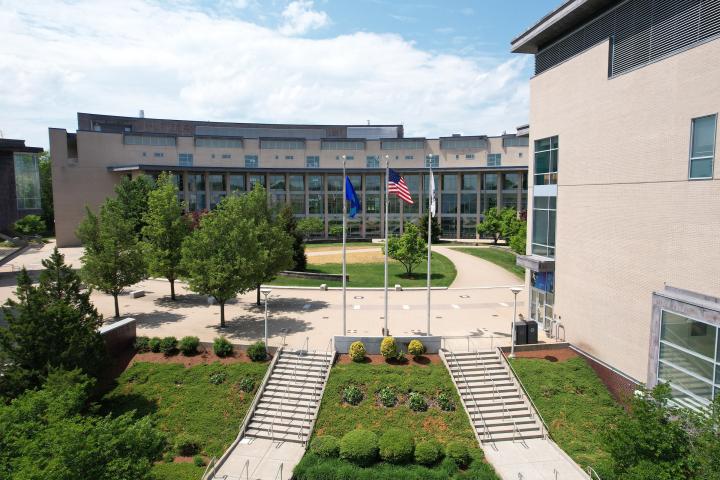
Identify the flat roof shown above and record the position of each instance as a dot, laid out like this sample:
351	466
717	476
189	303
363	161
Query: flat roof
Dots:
198	168
12	145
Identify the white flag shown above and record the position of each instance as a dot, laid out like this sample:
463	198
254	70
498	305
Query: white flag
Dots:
433	199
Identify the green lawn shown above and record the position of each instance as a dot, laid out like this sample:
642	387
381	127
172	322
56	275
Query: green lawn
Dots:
337	418
500	257
183	401
177	471
339	244
576	406
372	274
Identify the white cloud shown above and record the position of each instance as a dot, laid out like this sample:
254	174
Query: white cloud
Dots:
116	57
299	17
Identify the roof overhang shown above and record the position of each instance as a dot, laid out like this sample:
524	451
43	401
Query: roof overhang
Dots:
536	263
201	168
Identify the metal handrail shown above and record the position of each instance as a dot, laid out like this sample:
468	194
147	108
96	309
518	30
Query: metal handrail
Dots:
546	432
469	339
282	402
592	473
210	464
472	396
246	469
323	369
279	472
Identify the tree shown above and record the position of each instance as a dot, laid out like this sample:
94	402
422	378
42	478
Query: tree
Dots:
492	224
46	192
409	248
336	231
519	239
113	258
164	231
310	226
132	196
706	441
46	434
289	223
30	225
53	324
436	231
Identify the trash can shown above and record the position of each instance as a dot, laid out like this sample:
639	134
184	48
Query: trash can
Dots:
532	332
520	332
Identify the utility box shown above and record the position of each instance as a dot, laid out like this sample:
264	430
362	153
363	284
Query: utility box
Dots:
532	332
521	337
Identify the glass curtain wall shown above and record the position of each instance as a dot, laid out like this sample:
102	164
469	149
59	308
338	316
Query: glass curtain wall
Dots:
27	181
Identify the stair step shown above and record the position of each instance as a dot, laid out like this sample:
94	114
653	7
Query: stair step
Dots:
292	413
504	437
300	372
498	422
291	438
276	400
494	429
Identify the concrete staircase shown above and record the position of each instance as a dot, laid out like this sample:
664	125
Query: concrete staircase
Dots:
288	405
497	406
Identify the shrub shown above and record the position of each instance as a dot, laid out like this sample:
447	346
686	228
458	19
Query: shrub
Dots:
198	461
417	402
458	453
357	351
189	345
247	384
168	457
326	446
30	225
359	447
428	452
416	348
222	347
390	350
154	344
218	377
168	345
388	397
186	445
257	352
142	344
352	395
396	446
445	402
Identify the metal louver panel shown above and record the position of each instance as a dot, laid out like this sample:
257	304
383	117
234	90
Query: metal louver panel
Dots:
640	32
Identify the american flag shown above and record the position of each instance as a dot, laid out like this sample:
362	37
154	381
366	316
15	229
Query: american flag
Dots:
397	185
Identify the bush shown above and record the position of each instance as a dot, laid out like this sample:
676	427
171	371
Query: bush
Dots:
186	446
417	402
388	397
396	446
445	402
168	457
357	351
359	447
189	345
168	345
142	344
326	446
222	347
428	452
458	453
352	395
198	461
218	378
154	344
247	384
257	352
30	225
390	350
416	348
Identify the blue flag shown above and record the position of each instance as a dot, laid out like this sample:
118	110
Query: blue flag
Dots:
352	197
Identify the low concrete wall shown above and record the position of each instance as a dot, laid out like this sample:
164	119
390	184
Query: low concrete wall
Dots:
119	336
372	344
314	276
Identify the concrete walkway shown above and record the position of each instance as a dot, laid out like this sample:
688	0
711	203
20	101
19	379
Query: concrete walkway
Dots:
263	458
474	272
535	459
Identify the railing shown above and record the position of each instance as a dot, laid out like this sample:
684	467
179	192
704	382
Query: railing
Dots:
271	430
498	396
472	397
246	469
279	472
323	369
329	360
305	346
470	339
545	431
592	473
210	464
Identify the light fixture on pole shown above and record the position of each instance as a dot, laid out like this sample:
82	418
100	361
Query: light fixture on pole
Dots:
266	294
515	291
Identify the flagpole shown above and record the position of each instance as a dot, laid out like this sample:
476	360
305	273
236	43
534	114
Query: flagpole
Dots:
344	260
431	192
387	202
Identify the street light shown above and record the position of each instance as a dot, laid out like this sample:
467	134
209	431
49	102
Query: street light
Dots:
515	291
266	293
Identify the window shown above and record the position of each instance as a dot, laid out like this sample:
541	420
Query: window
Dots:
402	144
153	140
277	182
469	156
516	141
342	145
217	189
218	142
27	181
158	154
334	183
282	144
461	143
469	182
237	183
289	157
297	183
490	181
546	161
316	203
448	204
297	203
185	159
372	161
543	232
251	161
432	161
255	179
315	183
409	157
468	203
226	155
197	195
372	183
702	148
511	181
356	181
347	157
494	159
312	161
449	182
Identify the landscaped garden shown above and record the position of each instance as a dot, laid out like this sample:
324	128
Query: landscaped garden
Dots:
501	257
390	419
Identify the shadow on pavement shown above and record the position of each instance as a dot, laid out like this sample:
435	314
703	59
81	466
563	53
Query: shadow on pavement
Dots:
287	305
154	319
254	327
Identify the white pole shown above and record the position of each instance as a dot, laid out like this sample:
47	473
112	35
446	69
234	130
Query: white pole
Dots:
429	241
344	260
266	321
515	292
387	202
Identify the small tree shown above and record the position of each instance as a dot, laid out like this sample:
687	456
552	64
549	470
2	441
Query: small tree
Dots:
113	257
30	225
436	231
165	229
46	192
336	231
132	197
409	248
491	224
286	219
310	226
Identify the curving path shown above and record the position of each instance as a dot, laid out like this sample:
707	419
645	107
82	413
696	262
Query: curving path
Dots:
476	272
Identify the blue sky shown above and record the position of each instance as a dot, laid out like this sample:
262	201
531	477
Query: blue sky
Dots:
439	67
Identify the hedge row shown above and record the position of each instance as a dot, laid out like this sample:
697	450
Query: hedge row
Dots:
189	346
353	395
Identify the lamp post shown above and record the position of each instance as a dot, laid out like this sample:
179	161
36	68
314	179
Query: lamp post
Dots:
515	291
266	293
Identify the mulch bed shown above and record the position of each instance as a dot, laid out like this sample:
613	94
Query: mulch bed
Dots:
409	360
551	355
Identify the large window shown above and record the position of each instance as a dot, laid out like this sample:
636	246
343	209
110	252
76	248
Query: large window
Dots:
312	161
494	159
702	148
543	237
372	162
27	181
185	159
546	161
251	161
432	161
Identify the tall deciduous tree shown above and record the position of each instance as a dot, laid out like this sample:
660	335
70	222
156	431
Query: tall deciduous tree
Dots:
164	231
277	240
113	258
409	248
491	224
52	324
132	197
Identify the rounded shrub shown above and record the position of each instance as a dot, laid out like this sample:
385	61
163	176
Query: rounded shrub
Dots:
198	461
247	384
168	345
186	445
218	378
222	347
417	402
357	351
257	352
359	447
168	457
189	345
445	402
396	446
458	453
428	452
352	395
416	348
154	344
142	344
326	446
387	397
388	348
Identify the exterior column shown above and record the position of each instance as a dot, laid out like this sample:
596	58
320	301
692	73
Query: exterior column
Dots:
500	181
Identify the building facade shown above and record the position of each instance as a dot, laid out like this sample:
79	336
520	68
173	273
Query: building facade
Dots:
19	182
624	236
297	164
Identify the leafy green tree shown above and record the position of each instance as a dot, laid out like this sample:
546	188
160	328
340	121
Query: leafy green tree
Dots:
409	248
518	239
113	258
510	223
30	225
132	196
310	226
166	227
46	435
435	232
491	224
276	240
51	325
705	431
336	231
46	192
289	223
